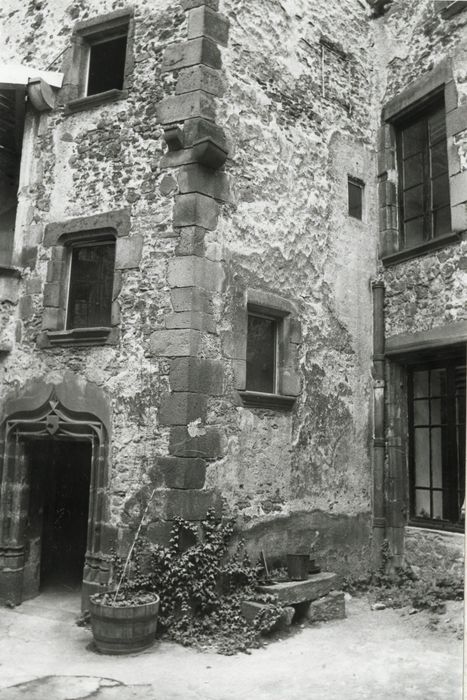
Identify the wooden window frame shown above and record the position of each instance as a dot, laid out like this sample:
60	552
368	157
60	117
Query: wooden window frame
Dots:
449	445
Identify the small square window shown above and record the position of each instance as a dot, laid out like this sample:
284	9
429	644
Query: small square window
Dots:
90	285
261	355
355	198
106	69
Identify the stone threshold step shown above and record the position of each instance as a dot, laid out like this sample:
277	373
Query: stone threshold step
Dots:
294	592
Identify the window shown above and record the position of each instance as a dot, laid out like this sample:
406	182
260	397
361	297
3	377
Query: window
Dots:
437	442
449	9
355	197
106	64
261	354
90	286
424	204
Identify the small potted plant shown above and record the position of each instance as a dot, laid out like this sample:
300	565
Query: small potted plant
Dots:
124	619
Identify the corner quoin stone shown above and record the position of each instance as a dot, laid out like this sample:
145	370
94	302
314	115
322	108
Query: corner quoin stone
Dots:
195	210
174	343
188	504
202	21
181	408
206	446
177	108
190	53
179	472
196	374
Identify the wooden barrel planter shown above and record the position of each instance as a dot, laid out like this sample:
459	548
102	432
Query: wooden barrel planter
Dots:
123	629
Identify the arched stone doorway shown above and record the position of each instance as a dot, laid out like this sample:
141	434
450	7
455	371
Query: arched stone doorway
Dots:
27	434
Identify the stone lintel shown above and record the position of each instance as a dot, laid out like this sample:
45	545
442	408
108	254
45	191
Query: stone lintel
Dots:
294	592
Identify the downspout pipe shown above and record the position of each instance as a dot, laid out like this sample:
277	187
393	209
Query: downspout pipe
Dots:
379	519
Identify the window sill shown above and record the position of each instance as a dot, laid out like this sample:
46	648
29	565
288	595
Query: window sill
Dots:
277	402
90	101
82	336
441	525
419	250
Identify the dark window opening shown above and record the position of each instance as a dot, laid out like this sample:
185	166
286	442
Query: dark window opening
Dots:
91	284
261	354
437	442
11	136
424	203
106	65
355	198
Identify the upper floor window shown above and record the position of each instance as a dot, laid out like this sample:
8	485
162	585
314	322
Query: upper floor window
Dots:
262	354
90	284
106	59
424	206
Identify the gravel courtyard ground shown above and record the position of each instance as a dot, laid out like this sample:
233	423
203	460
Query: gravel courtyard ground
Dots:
371	654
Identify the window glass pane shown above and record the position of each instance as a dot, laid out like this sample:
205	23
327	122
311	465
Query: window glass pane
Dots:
106	65
414	232
260	361
441	221
440	191
413	170
413	202
436	458
420	384
422	456
413	139
439	159
437	505
436	416
437	382
422	504
437	126
421	414
355	199
91	281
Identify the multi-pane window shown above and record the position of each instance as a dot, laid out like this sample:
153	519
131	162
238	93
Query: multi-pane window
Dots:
90	285
261	354
424	205
437	442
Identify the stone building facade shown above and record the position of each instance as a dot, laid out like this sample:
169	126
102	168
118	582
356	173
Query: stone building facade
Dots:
206	297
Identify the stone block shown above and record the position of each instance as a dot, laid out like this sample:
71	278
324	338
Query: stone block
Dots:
294	592
174	343
50	319
190	504
191	299
456	120
189	4
459	217
181	408
160	532
34	285
290	382
191	271
9	289
200	77
26	307
329	607
177	108
251	609
386	193
191	319
52	294
203	21
458	188
197	178
191	241
198	375
198	129
204	443
128	252
450	96
55	269
454	161
179	472
239	371
189	53
295	331
195	210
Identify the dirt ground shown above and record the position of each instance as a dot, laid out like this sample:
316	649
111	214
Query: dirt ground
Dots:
371	654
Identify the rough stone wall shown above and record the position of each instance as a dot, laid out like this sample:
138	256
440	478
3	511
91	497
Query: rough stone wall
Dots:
299	119
412	39
432	552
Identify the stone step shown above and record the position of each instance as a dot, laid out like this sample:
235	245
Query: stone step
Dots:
294	592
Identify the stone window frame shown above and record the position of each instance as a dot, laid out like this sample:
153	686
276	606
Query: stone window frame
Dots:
285	313
449	9
60	237
76	73
439	81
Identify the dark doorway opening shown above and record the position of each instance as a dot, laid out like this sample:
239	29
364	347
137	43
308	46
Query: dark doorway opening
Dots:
60	474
